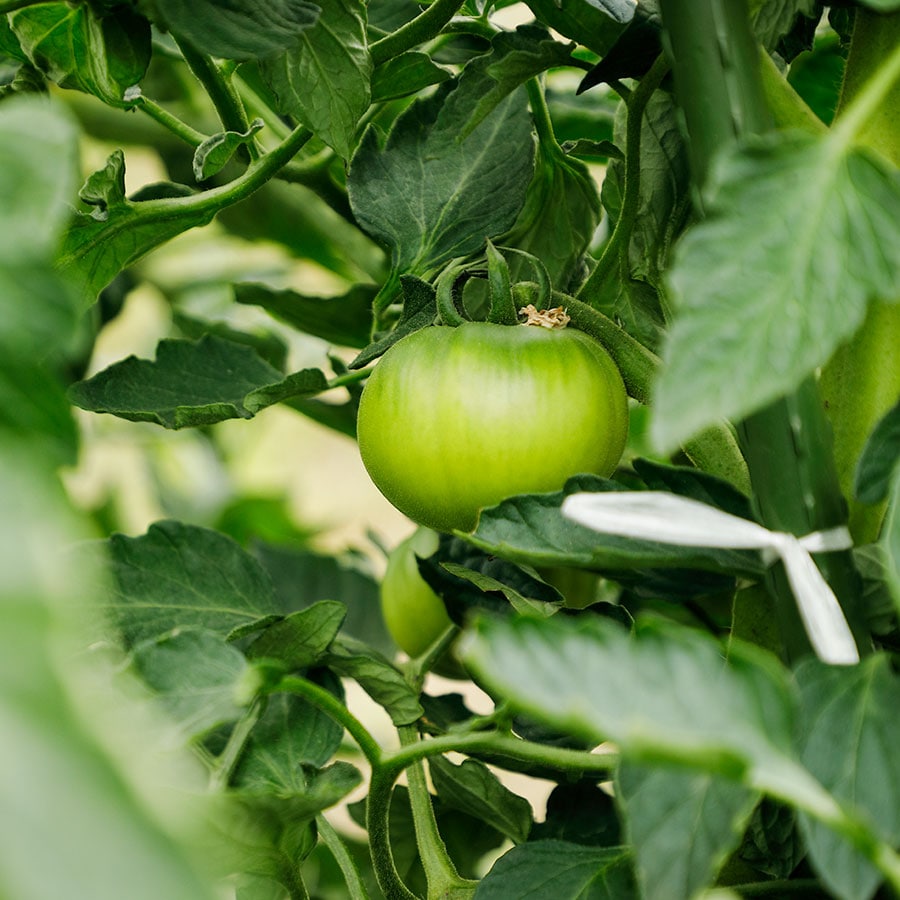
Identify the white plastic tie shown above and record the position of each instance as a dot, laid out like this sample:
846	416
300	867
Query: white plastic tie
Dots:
680	521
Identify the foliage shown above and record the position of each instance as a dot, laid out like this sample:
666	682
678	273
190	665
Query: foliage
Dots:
181	701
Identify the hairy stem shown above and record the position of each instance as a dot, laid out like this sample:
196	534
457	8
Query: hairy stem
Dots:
356	890
378	805
423	27
229	757
180	129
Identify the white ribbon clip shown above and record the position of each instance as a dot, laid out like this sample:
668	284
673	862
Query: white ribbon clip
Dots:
670	519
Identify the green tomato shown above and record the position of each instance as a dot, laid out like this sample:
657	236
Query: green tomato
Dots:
456	419
414	614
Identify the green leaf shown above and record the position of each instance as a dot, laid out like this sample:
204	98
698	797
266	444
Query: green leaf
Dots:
345	320
406	74
195	674
880	459
849	738
530	529
800	234
216	151
290	734
304	577
105	187
581	813
663	694
775	18
682	825
192	384
324	78
890	542
428	196
419	311
300	639
596	25
239	29
472	788
773	844
183	576
569	871
377	677
515	56
270	346
76	48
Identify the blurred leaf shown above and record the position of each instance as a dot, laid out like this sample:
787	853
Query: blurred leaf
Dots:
242	29
300	639
183	576
195	674
800	234
849	732
579	813
345	320
267	519
575	872
428	196
682	826
290	734
193	383
100	55
890	541
880	459
531	529
773	844
377	677
323	78
304	577
216	151
817	76
472	788
406	74
775	18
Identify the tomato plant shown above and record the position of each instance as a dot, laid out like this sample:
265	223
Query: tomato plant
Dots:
456	419
261	244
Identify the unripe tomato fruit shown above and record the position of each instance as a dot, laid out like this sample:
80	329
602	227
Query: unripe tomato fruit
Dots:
414	614
453	420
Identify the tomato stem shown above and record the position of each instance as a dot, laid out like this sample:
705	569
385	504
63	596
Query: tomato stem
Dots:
422	28
346	863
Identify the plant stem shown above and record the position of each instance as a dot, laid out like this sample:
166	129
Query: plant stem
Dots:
594	288
332	840
329	704
801	887
180	129
787	445
862	380
440	872
378	805
229	757
422	28
222	93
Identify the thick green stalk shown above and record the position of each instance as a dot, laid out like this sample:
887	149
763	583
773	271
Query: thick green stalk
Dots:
356	889
715	60
422	28
862	380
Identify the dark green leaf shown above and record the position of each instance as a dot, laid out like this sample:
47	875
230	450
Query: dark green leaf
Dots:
663	694
849	737
183	576
633	52
817	76
682	826
300	639
105	187
270	346
596	25
406	74
775	18
890	542
568	871
800	234
419	311
195	675
580	813
428	196
323	79
216	151
191	384
304	577
472	788
530	529
880	459
239	29
291	734
773	844
377	677
345	320
71	45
